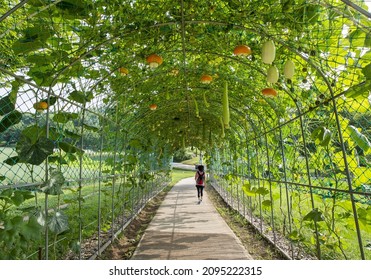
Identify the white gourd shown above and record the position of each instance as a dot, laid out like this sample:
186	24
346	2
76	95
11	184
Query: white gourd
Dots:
268	52
289	69
272	75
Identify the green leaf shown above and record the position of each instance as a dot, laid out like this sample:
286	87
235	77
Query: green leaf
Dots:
295	236
64	117
33	132
34	38
91	128
248	190
323	135
12	160
367	72
57	159
31	230
135	143
262	191
9	120
72	135
364	216
58	223
17	198
362	89
55	183
16	84
34	153
357	37
81	97
73	8
39	214
317	133
69	148
267	203
367	42
52	100
326	137
359	138
314	215
6	105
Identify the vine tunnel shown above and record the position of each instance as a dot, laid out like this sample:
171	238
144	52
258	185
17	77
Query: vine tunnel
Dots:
89	124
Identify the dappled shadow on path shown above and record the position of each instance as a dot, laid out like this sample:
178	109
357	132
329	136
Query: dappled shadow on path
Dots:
188	246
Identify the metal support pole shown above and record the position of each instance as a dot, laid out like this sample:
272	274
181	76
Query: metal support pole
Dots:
114	178
270	188
286	187
100	187
318	246
80	179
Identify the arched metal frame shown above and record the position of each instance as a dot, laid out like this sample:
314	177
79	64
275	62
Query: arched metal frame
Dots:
237	131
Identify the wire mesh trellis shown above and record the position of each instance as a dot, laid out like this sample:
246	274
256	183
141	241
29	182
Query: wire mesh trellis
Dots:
75	90
63	167
286	173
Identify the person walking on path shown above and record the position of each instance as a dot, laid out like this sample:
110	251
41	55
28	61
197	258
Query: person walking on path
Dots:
200	177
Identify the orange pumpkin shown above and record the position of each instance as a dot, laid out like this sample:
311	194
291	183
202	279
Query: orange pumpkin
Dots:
269	92
154	60
206	79
153	107
40	106
242	50
123	71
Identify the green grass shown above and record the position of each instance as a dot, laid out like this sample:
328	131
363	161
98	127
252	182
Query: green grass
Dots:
89	211
179	174
301	206
192	161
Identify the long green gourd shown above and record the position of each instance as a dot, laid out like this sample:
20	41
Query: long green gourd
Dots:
225	104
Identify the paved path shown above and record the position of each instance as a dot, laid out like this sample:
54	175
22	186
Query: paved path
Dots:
184	229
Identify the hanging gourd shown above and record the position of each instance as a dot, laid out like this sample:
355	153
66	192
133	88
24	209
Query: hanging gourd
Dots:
154	60
153	107
205	101
268	52
269	92
289	69
167	96
242	50
196	107
225	104
222	127
40	106
123	71
272	75
206	79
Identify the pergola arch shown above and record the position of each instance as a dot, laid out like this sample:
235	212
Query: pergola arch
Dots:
314	136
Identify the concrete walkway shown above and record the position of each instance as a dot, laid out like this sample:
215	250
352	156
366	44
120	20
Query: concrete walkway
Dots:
184	229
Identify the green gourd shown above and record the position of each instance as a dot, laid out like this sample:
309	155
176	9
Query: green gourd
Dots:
268	52
272	75
225	104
